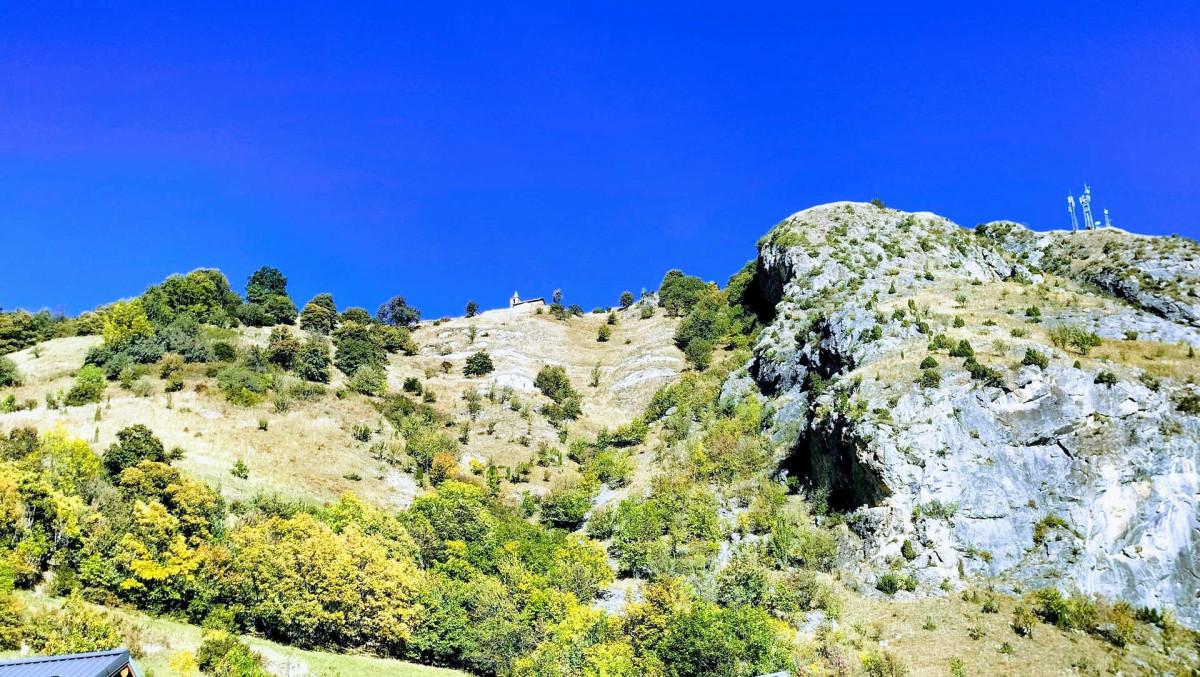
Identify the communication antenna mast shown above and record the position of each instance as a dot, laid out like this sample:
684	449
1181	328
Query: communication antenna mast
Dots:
1085	203
1107	223
1071	208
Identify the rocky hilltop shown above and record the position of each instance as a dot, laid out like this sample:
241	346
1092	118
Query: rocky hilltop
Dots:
993	401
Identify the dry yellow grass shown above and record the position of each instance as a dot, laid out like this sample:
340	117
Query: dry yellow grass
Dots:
897	626
308	451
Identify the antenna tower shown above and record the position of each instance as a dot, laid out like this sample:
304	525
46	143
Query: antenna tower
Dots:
1085	203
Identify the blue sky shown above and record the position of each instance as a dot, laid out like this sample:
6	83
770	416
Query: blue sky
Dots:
455	151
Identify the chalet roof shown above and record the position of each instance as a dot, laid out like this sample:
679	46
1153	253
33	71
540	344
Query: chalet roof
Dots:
94	664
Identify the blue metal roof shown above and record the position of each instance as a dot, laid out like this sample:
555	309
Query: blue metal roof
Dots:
94	664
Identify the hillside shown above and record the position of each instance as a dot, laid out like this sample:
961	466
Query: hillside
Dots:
889	445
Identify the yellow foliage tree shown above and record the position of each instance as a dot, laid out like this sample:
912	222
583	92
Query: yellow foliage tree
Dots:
125	322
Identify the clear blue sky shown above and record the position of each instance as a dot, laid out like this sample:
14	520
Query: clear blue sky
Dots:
451	151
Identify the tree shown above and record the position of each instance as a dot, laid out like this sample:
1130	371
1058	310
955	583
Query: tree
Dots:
282	348
315	587
359	315
557	297
312	360
699	353
566	505
396	312
478	364
279	309
679	292
89	386
124	323
553	382
325	301
357	347
134	444
265	283
76	628
204	294
604	333
472	308
316	317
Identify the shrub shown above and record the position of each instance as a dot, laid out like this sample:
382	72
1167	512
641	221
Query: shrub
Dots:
963	349
369	380
1034	358
279	309
478	364
472	309
1044	525
412	385
553	382
1188	404
604	333
88	388
626	299
241	386
890	583
224	351
566	505
940	342
9	376
312	360
979	372
907	550
240	470
646	313
930	378
699	353
1024	621
357	347
1068	613
1080	339
1106	378
929	363
282	348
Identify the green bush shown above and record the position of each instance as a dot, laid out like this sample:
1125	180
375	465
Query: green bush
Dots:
9	376
1035	359
929	363
1106	378
479	364
1078	338
223	351
369	380
604	333
241	386
318	317
472	309
134	444
566	504
312	361
963	349
626	299
88	388
699	354
553	382
930	378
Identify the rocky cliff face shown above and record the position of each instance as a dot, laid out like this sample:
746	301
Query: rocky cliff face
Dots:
1041	457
